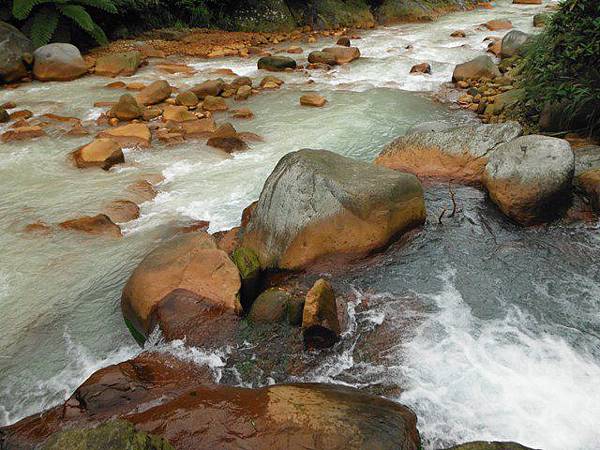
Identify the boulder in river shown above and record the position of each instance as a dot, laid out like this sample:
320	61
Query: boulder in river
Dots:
513	42
320	324
4	116
343	55
58	62
317	205
118	64
530	178
127	108
275	305
276	63
103	153
120	211
178	114
480	67
199	128
527	2
498	24
322	58
16	52
456	153
212	103
22	133
131	135
187	98
209	87
343	41
95	225
314	100
154	93
191	262
421	68
227	138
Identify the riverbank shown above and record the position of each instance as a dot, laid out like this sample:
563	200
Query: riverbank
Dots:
203	184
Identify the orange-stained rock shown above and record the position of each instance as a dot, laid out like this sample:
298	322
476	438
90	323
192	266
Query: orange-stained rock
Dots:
498	24
58	62
38	227
22	133
118	64
243	92
103	153
178	114
120	211
176	68
21	114
343	55
271	82
320	323
154	93
455	153
199	128
187	98
588	182
191	261
242	113
135	86
126	109
95	225
226	138
421	68
228	240
133	134
211	103
317	205
141	191
314	100
209	87
527	2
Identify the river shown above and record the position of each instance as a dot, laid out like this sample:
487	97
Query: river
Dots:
504	341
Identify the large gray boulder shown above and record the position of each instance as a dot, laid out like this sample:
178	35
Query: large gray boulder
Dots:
530	178
480	67
58	62
456	153
317	204
15	51
513	42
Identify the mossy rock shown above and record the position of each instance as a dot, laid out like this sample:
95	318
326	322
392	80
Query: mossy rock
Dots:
337	13
114	435
248	264
264	16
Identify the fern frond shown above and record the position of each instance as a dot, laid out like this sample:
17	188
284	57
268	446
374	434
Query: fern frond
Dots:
104	5
43	26
98	35
22	8
79	15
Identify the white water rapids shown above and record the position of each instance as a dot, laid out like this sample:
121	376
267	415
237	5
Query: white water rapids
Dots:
508	371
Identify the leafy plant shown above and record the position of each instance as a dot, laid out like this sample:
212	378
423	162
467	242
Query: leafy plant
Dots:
44	17
561	68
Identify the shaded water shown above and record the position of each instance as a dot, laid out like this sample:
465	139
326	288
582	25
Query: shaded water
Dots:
489	331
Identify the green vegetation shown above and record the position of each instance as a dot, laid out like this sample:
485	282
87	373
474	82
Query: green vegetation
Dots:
44	18
560	72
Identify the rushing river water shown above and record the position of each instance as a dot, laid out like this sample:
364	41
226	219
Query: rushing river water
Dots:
495	330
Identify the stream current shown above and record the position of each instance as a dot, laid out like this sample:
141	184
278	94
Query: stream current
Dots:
492	331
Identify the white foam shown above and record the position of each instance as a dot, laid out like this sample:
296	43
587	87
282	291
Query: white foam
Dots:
470	379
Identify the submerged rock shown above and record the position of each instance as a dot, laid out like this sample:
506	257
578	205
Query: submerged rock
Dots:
118	64
276	63
317	204
314	100
530	178
456	153
58	62
191	262
498	24
133	134
421	68
16	52
103	153
120	211
480	67
320	324
113	435
227	138
100	224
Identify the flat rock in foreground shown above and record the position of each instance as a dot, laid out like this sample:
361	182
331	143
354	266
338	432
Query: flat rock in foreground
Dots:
456	153
317	204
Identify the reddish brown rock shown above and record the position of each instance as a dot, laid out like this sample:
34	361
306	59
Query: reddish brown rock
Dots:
22	133
421	68
588	182
199	128
320	324
176	68
527	2
226	138
208	88
126	109
191	261
58	62
187	98
211	103
103	153
458	34
242	113
38	227
120	211
178	114
133	134
154	93
343	55
141	191
343	41
95	225
498	24
118	64
21	114
314	100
